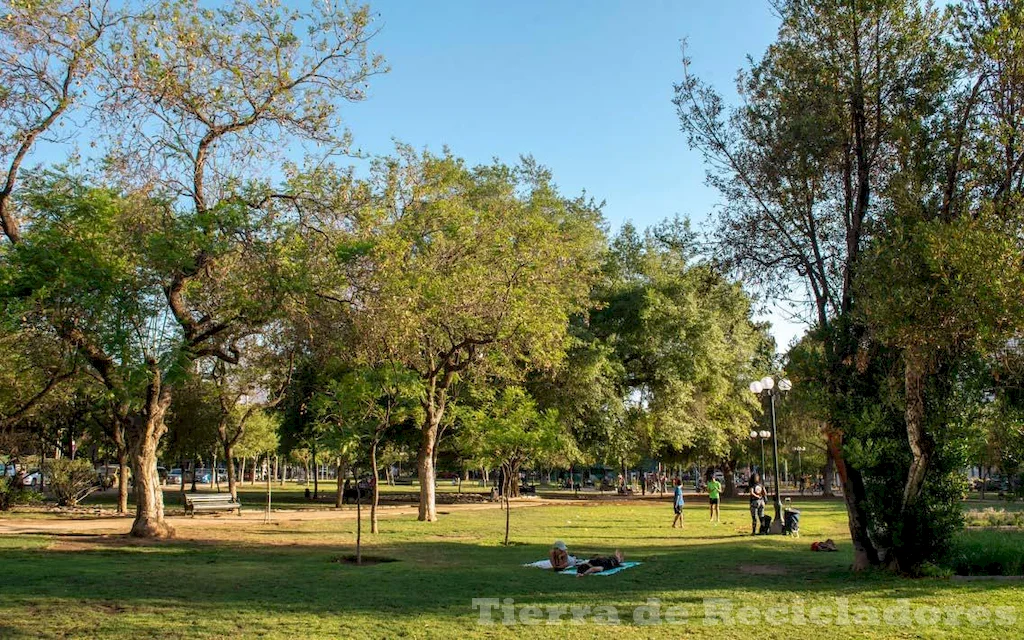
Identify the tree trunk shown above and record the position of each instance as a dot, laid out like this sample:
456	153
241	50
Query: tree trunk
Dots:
122	478
829	476
913	383
118	433
425	468
146	430
241	470
42	464
506	490
729	470
229	459
376	490
984	480
339	496
865	554
514	484
316	475
359	523
149	497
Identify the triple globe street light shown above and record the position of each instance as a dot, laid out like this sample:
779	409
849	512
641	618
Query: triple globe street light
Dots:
767	387
799	462
763	435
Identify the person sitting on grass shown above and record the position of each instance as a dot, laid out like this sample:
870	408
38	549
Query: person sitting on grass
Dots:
599	564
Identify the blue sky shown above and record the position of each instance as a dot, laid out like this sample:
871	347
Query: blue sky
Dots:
585	87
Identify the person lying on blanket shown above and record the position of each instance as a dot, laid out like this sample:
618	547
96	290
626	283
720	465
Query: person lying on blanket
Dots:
559	556
599	564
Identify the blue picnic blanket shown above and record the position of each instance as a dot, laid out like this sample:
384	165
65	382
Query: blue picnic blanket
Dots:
606	572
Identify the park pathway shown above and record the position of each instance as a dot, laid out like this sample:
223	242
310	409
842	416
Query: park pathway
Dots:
74	524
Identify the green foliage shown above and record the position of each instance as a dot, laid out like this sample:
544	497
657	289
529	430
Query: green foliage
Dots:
508	430
660	367
13	494
141	275
85	268
949	287
192	420
71	480
874	164
300	424
359	409
489	260
261	435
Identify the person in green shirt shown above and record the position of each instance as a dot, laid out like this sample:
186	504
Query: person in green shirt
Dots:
714	492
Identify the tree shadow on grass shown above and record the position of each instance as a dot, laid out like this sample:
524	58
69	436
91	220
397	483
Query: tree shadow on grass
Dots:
435	577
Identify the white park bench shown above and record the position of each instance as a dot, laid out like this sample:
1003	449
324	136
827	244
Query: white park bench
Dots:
211	502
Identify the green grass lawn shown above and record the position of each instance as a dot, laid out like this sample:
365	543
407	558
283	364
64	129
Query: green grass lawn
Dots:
282	581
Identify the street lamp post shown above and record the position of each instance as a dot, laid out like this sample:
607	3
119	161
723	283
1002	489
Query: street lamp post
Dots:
763	435
799	462
768	387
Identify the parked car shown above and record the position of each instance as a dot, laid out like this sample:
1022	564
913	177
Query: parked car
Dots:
34	478
992	483
107	474
174	477
205	476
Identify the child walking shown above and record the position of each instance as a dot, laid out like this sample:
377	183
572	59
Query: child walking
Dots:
677	504
714	493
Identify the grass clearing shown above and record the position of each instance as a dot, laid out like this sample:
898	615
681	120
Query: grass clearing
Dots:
988	553
282	580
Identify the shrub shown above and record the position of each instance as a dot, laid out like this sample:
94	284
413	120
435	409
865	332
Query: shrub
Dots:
995	518
71	480
12	493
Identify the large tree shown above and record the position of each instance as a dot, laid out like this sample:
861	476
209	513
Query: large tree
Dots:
803	160
874	166
659	366
470	265
941	280
197	102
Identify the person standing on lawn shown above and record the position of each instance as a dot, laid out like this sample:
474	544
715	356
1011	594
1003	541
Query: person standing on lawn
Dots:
757	499
677	504
714	493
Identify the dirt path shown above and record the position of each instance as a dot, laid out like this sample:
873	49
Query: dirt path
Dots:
72	525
